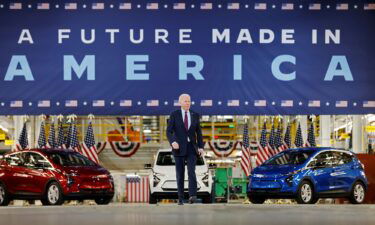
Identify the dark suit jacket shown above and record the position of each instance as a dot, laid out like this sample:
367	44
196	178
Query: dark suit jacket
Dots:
176	132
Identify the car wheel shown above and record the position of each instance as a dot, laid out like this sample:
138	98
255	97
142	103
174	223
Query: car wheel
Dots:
53	195
4	196
305	193
358	193
257	199
153	199
103	200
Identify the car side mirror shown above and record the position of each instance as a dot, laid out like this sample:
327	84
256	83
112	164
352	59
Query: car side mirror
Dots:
148	166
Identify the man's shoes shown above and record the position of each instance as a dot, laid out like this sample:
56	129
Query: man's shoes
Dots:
192	199
180	202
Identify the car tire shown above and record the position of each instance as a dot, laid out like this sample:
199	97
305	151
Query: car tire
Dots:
305	193
53	195
103	200
256	199
153	199
4	195
358	193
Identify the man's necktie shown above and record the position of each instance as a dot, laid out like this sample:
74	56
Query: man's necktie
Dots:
186	122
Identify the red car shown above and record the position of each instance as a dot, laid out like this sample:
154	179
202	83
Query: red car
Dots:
53	176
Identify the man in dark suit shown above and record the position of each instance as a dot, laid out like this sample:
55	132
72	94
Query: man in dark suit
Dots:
185	136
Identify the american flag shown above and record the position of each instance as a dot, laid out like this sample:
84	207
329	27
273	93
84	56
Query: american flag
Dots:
152	5
15	5
287	6
206	6
70	6
44	103
206	102
245	158
60	135
314	103
233	6
89	147
287	139
98	103
71	103
311	136
17	103
342	6
271	141
260	6
125	103
43	6
137	189
234	102
125	5
42	143
315	6
179	5
369	6
68	136
51	138
342	104
74	138
368	104
97	6
279	146
287	103
152	102
263	152
260	103
298	141
23	142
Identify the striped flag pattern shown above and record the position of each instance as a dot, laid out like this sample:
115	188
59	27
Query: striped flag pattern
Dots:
52	138
60	135
245	158
23	142
311	136
42	143
68	136
263	151
74	139
89	146
137	189
271	141
287	139
299	140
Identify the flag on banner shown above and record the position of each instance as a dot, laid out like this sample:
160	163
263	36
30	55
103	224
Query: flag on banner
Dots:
233	6
206	5
97	6
315	6
206	102
263	153
60	135
51	138
44	103
16	104
74	138
125	5
368	104
245	158
299	140
42	143
152	102
43	6
70	6
341	103
260	103
369	6
89	146
71	103
287	6
287	139
260	6
98	103
23	141
311	136
287	103
176	103
314	103
15	5
152	6
125	103
179	5
235	102
271	141
342	6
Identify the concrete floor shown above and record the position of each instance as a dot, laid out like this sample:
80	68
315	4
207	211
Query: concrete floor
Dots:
165	214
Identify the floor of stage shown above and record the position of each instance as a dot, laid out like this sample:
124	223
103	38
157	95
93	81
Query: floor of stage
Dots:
165	214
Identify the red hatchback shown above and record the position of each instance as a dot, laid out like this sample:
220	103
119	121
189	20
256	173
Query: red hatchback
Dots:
53	176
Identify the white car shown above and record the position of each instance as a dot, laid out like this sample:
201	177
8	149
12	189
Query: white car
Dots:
163	184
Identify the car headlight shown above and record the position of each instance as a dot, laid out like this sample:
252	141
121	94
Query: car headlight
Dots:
205	179
156	177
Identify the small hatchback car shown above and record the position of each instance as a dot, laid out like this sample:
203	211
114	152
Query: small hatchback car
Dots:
307	174
53	176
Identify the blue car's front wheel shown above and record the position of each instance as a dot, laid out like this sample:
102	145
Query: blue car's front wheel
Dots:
305	193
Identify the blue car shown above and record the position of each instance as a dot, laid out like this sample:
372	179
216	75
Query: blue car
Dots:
307	174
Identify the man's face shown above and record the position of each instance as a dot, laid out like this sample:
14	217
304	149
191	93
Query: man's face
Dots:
185	102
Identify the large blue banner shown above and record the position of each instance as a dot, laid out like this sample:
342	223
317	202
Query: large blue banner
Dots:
236	57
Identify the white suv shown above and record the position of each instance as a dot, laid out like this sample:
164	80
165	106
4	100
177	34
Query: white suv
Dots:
163	182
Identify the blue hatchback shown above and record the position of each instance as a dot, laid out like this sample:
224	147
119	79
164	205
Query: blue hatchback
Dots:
307	174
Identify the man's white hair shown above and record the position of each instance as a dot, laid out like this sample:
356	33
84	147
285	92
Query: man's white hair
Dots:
182	96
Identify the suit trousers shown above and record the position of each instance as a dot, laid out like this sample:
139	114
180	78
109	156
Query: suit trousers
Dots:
191	160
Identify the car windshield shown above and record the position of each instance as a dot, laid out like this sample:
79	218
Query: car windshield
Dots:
167	159
69	159
289	158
